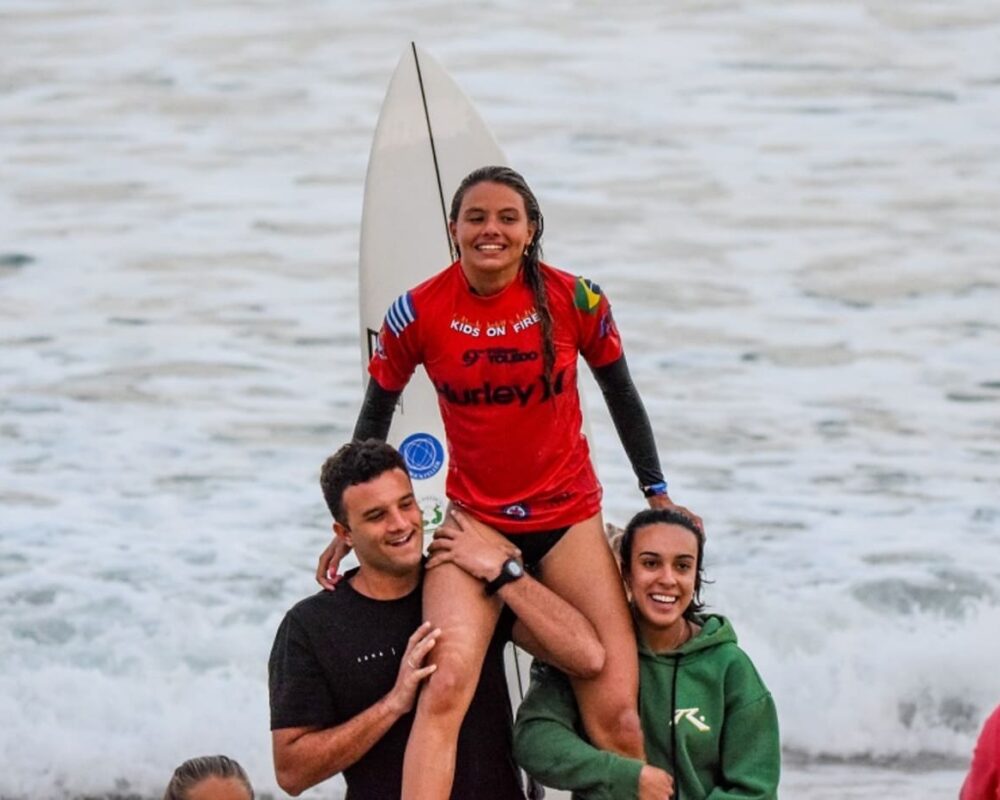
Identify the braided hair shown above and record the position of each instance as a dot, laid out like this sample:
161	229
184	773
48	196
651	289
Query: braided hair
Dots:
532	253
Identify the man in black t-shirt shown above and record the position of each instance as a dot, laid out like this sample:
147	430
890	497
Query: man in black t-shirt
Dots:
347	664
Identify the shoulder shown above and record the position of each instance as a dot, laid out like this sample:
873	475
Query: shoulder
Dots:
574	290
324	607
413	303
744	684
722	649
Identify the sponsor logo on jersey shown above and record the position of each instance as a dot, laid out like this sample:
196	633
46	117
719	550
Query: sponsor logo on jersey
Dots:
400	314
466	326
517	510
692	716
502	394
526	320
423	455
586	295
606	325
499	355
491	330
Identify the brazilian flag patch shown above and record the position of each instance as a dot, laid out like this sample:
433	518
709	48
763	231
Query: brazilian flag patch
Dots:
587	295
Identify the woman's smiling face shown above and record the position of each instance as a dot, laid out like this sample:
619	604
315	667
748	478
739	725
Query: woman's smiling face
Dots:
492	231
661	578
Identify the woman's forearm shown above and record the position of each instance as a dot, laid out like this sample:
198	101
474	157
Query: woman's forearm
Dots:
631	421
376	413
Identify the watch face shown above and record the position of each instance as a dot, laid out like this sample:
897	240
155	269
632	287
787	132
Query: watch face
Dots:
514	569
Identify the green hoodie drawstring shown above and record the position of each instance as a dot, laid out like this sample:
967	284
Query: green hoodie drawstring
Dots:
673	727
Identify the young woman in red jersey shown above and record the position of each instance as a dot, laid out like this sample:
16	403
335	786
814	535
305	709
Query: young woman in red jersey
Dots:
499	334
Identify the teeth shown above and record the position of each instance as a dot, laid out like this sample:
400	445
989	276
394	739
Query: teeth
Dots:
400	540
496	247
663	598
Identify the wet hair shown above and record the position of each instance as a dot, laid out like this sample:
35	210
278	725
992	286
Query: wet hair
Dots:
354	463
666	516
195	770
532	253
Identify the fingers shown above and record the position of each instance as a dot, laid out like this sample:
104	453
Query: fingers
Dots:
445	532
662	501
438	559
424	672
439	552
323	565
460	517
693	517
417	635
420	644
326	582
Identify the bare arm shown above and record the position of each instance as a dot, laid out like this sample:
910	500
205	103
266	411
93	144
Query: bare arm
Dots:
547	626
551	629
304	757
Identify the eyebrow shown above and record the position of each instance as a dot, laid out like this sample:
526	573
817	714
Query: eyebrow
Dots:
480	209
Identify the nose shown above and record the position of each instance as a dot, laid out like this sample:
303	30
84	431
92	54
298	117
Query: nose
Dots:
667	577
490	225
398	520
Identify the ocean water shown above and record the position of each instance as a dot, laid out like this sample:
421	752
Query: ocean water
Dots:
793	207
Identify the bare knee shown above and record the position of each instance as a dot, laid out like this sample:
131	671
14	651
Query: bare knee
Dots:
628	738
616	729
448	692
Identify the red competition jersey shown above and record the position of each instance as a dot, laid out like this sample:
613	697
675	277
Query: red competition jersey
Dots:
519	459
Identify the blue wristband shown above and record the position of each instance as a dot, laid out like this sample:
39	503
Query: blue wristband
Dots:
654	489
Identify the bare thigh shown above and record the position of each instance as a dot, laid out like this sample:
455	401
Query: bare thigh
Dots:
581	569
455	602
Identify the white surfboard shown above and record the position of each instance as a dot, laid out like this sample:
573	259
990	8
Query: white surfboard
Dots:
428	138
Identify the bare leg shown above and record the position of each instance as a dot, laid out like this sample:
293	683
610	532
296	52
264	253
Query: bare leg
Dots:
582	570
454	602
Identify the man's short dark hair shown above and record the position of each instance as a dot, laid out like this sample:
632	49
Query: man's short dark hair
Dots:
354	463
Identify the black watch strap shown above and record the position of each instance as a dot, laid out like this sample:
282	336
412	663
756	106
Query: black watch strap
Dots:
509	572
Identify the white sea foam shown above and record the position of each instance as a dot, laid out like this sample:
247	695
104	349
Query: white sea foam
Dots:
792	206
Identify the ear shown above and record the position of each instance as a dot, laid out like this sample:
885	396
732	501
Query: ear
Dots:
453	232
343	532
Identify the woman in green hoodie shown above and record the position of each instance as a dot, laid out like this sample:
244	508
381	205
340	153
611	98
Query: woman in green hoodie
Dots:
709	721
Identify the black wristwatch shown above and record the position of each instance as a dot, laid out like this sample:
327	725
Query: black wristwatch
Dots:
509	572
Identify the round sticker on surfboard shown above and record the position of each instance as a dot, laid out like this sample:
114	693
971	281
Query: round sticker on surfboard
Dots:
423	455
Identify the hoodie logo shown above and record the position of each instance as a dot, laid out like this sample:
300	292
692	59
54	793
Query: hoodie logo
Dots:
691	715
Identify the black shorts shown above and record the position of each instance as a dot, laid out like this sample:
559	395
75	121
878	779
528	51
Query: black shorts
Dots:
535	545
